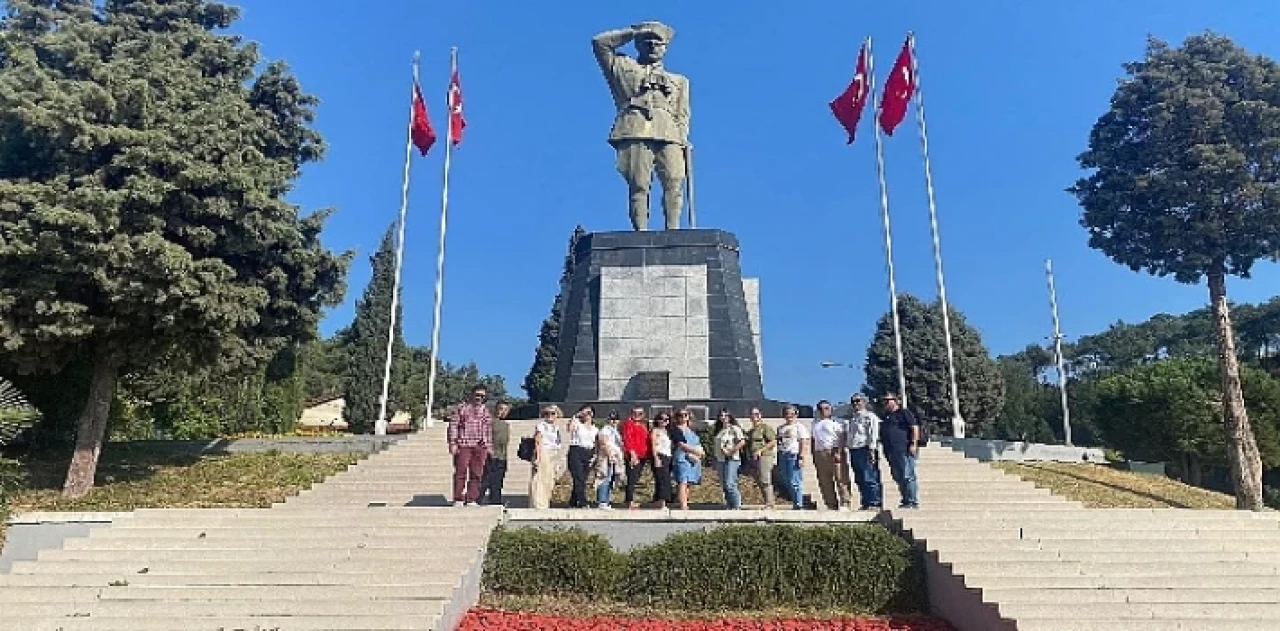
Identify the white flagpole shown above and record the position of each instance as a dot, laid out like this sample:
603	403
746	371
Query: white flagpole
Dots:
957	421
444	218
380	427
888	231
1057	349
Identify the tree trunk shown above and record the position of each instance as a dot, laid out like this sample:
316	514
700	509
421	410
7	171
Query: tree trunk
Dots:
1194	474
92	425
1243	459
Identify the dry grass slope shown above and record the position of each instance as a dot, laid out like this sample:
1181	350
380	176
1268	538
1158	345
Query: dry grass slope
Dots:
1099	486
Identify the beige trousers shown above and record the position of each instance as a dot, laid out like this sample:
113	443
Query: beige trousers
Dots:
833	478
636	162
763	477
543	480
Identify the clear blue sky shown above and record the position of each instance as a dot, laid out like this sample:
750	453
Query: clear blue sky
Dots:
1012	88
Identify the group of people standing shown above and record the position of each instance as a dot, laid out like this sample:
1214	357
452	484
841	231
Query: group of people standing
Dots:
845	454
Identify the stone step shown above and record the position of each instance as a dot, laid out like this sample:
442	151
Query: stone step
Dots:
1182	612
102	622
184	593
221	553
1127	533
1087	596
235	566
284	541
211	608
1113	556
360	581
1104	569
1026	623
314	532
1108	545
1055	518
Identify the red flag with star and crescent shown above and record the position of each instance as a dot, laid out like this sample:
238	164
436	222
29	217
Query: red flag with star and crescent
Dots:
457	122
898	89
420	130
848	107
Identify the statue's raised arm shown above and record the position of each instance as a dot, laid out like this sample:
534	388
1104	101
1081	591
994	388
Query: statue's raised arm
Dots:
651	127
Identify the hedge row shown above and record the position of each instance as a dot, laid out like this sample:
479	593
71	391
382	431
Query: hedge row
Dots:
860	568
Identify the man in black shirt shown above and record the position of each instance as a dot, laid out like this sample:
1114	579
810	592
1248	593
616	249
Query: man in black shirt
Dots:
900	435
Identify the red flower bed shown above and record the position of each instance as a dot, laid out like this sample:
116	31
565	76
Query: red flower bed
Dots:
478	619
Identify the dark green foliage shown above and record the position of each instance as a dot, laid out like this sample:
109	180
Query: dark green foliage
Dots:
748	567
570	561
366	344
1029	402
1171	411
925	356
541	379
145	156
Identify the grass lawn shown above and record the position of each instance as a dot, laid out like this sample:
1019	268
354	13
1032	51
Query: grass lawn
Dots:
707	494
132	477
1099	486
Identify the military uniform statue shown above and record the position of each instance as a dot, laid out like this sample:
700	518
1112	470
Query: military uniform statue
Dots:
651	130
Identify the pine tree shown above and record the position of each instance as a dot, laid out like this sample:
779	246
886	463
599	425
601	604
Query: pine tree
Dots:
366	342
145	156
924	353
541	379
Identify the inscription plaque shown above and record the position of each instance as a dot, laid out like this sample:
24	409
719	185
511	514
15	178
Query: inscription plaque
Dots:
653	385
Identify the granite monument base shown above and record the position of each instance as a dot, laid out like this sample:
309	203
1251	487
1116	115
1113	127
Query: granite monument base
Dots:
660	318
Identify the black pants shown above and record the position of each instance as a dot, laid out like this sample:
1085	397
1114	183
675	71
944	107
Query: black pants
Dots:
633	476
662	491
495	472
579	461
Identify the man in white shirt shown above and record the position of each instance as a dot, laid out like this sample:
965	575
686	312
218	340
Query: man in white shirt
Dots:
828	457
793	441
863	440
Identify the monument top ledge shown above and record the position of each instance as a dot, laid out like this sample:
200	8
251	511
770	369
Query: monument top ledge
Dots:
662	239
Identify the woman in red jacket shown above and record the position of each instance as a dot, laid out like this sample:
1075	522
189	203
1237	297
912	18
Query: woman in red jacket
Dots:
636	452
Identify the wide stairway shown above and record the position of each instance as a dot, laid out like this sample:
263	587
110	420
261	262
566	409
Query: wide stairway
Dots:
355	554
1024	559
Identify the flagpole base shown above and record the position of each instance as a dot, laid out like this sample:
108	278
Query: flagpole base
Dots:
380	427
957	427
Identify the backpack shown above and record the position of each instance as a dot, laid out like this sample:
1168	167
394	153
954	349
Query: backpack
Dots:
526	449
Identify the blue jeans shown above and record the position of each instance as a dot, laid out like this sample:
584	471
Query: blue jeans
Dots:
902	466
604	491
789	464
866	475
728	471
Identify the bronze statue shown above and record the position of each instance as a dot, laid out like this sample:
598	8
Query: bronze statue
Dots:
652	125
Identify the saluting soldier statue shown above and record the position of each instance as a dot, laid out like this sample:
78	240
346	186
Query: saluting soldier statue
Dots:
651	130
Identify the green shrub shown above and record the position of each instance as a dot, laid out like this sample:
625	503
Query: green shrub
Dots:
531	561
747	567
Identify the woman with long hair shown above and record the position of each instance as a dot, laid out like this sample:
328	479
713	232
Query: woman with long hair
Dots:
582	444
660	440
686	463
727	443
546	462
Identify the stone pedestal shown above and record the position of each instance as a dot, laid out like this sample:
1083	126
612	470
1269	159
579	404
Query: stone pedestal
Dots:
648	314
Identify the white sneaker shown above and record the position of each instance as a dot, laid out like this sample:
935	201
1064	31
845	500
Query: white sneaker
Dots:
458	504
472	504
605	507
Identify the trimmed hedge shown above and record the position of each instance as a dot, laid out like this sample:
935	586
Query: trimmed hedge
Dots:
860	568
529	561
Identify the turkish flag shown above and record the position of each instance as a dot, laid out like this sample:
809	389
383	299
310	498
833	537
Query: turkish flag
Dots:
457	122
898	89
420	130
849	105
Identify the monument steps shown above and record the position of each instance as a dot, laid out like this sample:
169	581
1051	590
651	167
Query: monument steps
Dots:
333	562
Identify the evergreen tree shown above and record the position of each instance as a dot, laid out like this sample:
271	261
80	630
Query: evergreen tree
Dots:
366	343
1184	181
541	379
925	359
145	155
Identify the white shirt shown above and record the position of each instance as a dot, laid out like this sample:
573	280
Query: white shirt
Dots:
549	434
864	430
614	435
582	434
662	444
827	434
726	439
789	437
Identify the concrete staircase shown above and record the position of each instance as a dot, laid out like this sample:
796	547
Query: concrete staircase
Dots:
351	554
1003	554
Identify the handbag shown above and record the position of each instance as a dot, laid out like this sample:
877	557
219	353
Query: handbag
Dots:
526	449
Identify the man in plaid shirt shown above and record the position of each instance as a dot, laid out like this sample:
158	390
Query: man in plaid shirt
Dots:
470	437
